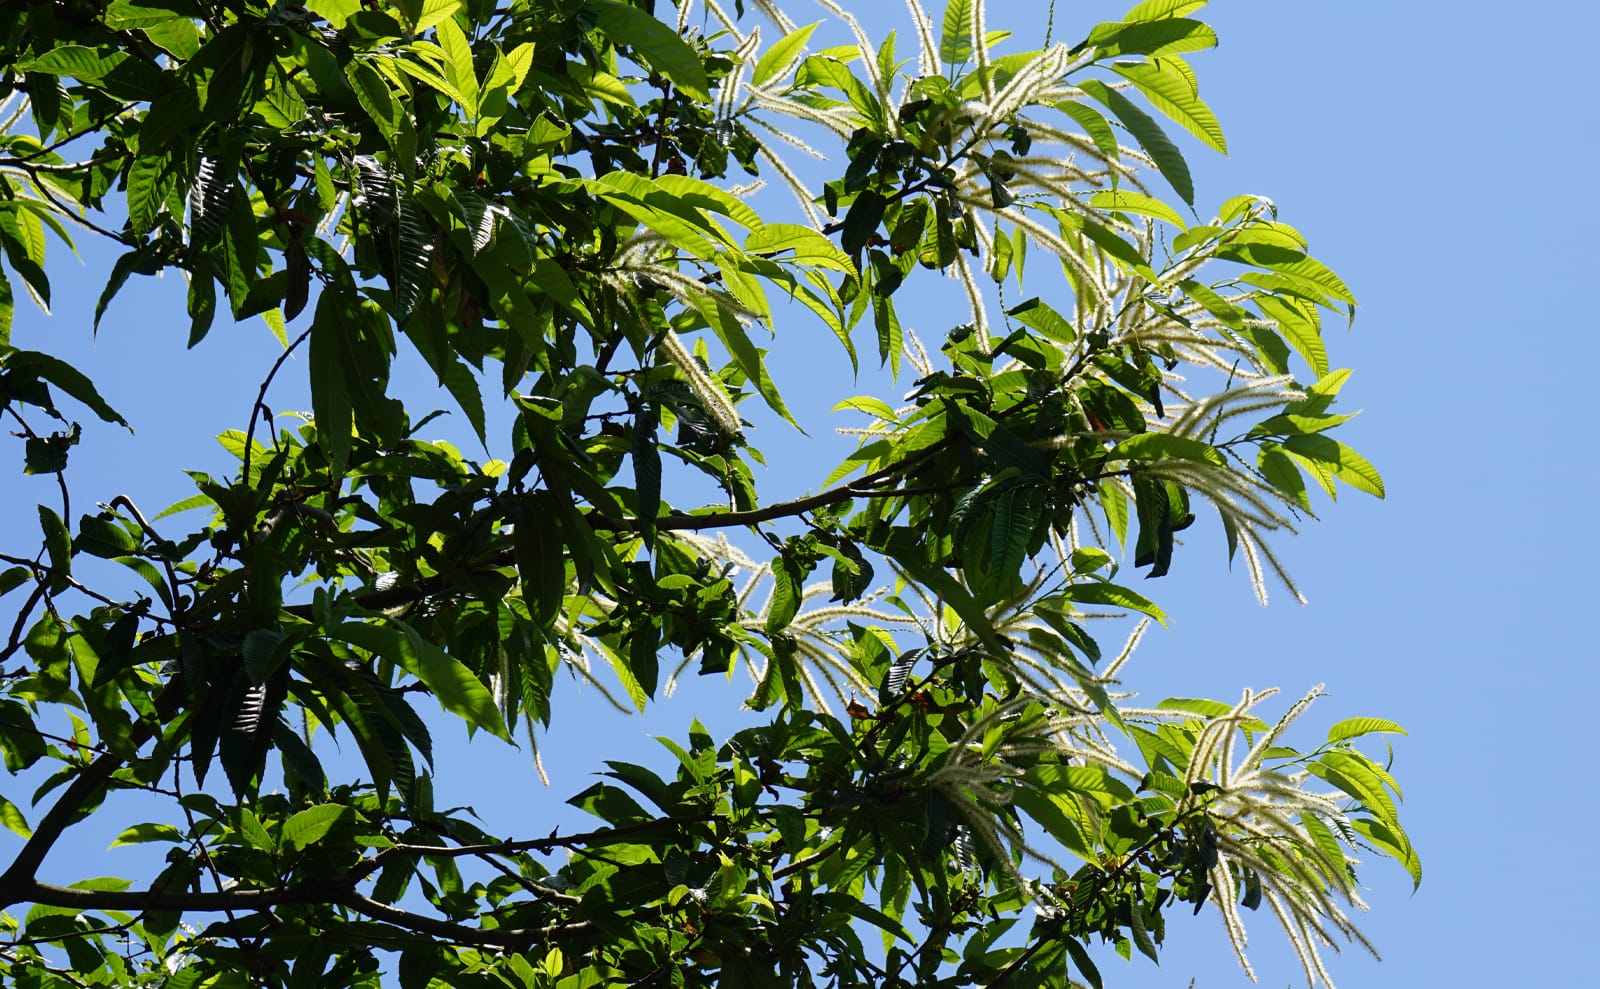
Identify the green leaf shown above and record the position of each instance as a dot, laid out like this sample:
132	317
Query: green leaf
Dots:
1125	201
1169	92
11	817
907	551
1156	144
1352	774
139	834
335	12
1171	36
1085	964
1155	446
8	309
30	363
121	15
802	245
1297	320
1339	460
311	825
435	12
254	832
660	46
1159	10
456	688
1288	261
782	56
1038	315
1393	844
1113	595
1354	727
955	38
861	221
458	65
331	403
58	544
746	356
540	556
1280	471
1094	125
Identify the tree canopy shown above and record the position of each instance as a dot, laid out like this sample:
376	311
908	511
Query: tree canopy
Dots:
551	202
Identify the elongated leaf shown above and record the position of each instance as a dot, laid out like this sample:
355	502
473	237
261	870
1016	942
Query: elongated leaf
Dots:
1353	727
458	66
1171	36
1156	144
1085	964
1127	201
456	688
31	363
1289	261
1115	596
1297	320
1159	10
1396	845
749	359
782	56
330	396
1095	125
658	44
1171	94
1154	446
955	36
1339	460
801	245
1279	470
905	550
311	825
141	833
11	817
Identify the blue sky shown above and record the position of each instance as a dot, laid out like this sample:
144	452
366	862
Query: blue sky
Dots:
1439	157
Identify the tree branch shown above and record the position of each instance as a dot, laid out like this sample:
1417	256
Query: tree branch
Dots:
18	882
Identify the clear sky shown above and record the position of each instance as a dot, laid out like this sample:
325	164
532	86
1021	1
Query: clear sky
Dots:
1439	156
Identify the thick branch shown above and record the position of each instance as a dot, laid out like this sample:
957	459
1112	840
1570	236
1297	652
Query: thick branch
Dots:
18	879
330	892
601	836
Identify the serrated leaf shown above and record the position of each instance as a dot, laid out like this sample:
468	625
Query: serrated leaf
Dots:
435	12
255	832
1085	964
1170	36
142	833
331	406
801	245
311	825
456	688
1169	160
1115	596
11	817
1280	471
1353	727
1158	10
1155	446
782	56
31	363
1394	844
1339	460
955	36
1126	201
1095	125
1170	93
1297	320
659	45
458	65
